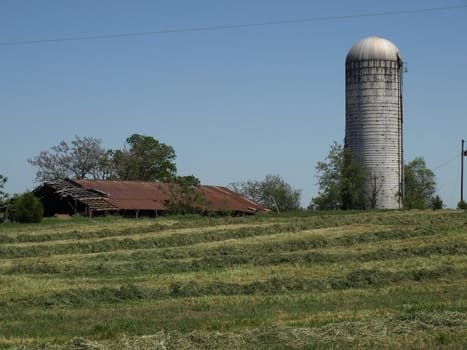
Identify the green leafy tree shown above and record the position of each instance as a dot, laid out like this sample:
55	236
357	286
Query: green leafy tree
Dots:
272	192
359	189
27	208
462	205
330	179
186	196
145	159
342	182
83	157
189	180
437	203
419	185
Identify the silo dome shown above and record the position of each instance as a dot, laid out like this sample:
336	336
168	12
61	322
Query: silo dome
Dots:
373	48
373	124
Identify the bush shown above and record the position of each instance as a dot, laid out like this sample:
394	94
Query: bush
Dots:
462	205
437	203
28	209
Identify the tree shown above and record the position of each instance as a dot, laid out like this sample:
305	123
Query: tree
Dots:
3	195
330	179
83	158
145	159
189	180
342	180
273	192
90	159
419	185
185	195
359	189
436	203
27	208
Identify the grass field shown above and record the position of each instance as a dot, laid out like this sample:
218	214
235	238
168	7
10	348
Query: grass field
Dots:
383	280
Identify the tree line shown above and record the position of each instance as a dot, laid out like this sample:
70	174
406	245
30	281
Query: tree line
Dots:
344	183
341	178
142	158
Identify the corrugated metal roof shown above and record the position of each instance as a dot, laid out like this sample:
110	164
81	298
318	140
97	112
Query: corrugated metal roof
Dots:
373	48
130	195
140	195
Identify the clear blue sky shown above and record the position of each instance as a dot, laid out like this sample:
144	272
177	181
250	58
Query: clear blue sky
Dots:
236	104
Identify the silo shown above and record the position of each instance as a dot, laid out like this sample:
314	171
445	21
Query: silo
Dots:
373	123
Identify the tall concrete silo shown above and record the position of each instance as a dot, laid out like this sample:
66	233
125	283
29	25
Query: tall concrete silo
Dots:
373	123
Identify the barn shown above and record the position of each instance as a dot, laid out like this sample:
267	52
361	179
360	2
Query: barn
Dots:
137	198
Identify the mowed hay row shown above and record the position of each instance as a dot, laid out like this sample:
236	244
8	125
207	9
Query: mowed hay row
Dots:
177	238
82	228
303	247
253	282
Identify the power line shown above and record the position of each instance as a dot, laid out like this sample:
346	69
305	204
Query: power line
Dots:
446	162
232	26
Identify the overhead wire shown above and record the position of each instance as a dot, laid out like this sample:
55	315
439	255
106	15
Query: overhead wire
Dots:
447	162
231	26
441	186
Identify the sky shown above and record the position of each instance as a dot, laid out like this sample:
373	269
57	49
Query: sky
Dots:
236	103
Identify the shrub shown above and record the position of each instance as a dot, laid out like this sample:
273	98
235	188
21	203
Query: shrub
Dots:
462	205
437	203
28	208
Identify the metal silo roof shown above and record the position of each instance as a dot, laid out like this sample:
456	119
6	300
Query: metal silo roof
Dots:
373	48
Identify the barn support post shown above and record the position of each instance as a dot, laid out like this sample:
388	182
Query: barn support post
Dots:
69	203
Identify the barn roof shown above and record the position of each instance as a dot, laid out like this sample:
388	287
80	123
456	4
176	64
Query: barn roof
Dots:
141	195
68	189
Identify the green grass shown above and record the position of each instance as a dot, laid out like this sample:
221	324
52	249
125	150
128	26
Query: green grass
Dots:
339	280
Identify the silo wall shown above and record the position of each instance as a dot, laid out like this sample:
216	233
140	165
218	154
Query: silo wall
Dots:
373	131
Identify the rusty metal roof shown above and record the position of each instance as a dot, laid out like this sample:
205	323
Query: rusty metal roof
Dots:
129	195
140	195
